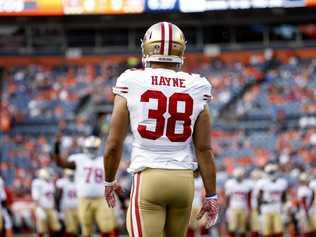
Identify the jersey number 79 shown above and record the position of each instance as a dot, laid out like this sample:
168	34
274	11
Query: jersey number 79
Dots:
158	115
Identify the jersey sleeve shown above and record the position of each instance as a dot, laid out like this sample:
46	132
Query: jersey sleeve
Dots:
204	92
121	86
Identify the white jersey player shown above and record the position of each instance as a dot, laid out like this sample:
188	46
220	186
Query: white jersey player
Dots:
312	185
167	111
237	191
89	178
68	202
306	216
271	200
43	190
3	198
88	175
67	185
256	178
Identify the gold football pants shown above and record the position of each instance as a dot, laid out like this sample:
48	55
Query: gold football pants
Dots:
50	223
271	224
95	209
160	203
72	225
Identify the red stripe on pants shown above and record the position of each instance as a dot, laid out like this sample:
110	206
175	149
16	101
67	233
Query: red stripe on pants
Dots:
131	211
139	227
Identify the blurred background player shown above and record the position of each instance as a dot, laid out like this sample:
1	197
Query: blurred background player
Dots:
271	200
3	198
162	156
89	178
43	191
312	185
305	195
237	191
255	177
68	202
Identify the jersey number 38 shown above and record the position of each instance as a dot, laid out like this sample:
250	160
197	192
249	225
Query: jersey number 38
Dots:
158	115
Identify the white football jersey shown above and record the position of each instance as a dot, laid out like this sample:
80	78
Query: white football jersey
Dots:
163	107
89	175
253	194
43	193
3	195
312	185
238	193
304	192
272	194
69	197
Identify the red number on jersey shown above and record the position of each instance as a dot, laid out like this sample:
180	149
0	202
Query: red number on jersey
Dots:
95	172
175	116
178	116
72	194
154	114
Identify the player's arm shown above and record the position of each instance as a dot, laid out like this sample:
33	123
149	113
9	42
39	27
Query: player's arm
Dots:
207	168
58	196
57	157
203	150
227	195
249	200
4	198
284	196
114	145
260	200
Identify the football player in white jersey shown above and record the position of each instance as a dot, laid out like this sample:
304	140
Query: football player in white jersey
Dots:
168	114
307	224
271	200
89	178
237	191
3	198
43	190
312	185
68	202
255	177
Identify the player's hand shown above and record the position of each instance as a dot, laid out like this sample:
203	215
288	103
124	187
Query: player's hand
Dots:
210	209
109	190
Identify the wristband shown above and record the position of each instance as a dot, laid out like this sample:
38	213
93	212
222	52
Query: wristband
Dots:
107	184
213	196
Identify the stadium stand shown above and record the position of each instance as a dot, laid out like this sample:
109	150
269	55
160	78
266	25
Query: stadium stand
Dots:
270	100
